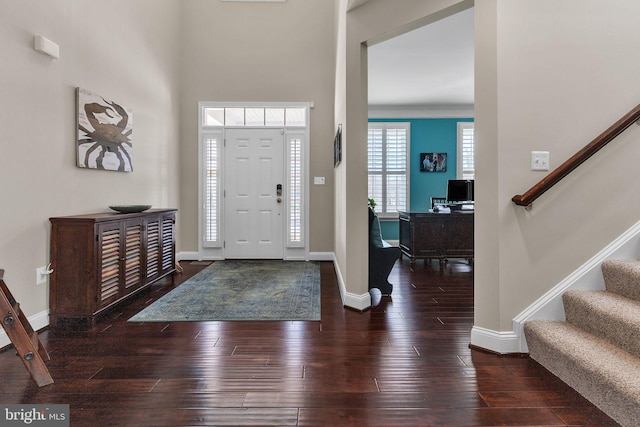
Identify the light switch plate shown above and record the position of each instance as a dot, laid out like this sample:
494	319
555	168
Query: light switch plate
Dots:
318	180
539	160
41	275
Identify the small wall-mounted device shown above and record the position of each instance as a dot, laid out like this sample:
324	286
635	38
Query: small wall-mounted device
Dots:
539	160
42	273
46	46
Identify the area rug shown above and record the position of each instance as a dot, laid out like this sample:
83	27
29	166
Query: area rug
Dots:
242	290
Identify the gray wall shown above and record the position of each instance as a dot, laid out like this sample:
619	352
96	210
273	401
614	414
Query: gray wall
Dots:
259	52
550	75
124	50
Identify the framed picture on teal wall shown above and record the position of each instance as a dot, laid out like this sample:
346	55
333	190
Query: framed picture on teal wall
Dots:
433	162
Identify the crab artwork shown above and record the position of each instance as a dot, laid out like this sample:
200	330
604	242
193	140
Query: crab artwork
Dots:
104	134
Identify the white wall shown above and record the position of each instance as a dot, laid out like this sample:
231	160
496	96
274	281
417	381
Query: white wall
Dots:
550	75
124	50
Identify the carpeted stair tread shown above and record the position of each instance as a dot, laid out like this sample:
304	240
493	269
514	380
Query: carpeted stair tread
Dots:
622	277
606	375
607	315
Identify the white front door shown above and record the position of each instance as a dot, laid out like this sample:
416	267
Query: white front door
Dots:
254	200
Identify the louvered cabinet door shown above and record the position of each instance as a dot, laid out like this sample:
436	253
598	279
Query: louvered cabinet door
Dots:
153	248
132	260
160	250
168	243
109	265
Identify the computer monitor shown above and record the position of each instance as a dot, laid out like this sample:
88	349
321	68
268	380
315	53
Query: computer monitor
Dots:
460	190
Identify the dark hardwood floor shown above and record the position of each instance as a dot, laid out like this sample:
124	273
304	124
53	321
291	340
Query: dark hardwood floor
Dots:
405	362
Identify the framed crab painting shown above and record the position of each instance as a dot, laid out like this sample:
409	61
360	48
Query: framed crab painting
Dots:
104	133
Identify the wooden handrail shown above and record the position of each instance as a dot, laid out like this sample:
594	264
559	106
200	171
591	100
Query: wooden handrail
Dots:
577	159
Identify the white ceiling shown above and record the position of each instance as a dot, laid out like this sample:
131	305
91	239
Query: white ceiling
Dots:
431	66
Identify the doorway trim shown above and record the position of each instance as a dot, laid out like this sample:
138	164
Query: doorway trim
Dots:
214	118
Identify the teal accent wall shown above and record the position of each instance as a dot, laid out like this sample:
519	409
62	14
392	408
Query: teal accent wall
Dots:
427	136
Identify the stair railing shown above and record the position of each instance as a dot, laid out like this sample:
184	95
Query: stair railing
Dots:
577	159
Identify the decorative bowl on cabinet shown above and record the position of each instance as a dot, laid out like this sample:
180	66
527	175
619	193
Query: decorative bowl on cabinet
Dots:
130	208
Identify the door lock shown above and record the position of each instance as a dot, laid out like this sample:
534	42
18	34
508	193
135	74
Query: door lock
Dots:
279	190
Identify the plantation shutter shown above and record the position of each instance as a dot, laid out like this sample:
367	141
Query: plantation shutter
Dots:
466	151
388	145
212	145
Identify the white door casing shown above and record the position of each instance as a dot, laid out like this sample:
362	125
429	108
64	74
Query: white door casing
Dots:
254	212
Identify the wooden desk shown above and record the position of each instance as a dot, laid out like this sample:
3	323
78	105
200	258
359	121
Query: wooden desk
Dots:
426	235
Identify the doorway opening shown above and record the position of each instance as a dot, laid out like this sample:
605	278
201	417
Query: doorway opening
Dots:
253	181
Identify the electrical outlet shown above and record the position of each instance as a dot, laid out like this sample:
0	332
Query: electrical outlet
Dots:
41	275
539	160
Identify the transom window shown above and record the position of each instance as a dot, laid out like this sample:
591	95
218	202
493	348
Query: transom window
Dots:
254	116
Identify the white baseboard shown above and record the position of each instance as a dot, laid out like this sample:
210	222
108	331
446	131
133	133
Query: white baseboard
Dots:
498	342
357	302
37	321
321	256
187	256
354	301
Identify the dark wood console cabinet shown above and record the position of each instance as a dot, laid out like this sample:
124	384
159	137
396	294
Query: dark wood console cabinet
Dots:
98	260
426	235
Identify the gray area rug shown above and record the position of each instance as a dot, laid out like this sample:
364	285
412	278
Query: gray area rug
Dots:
242	290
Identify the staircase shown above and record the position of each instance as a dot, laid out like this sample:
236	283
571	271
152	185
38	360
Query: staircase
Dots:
597	350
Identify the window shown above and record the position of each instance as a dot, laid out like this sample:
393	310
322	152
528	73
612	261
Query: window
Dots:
466	151
212	145
295	178
388	148
254	116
